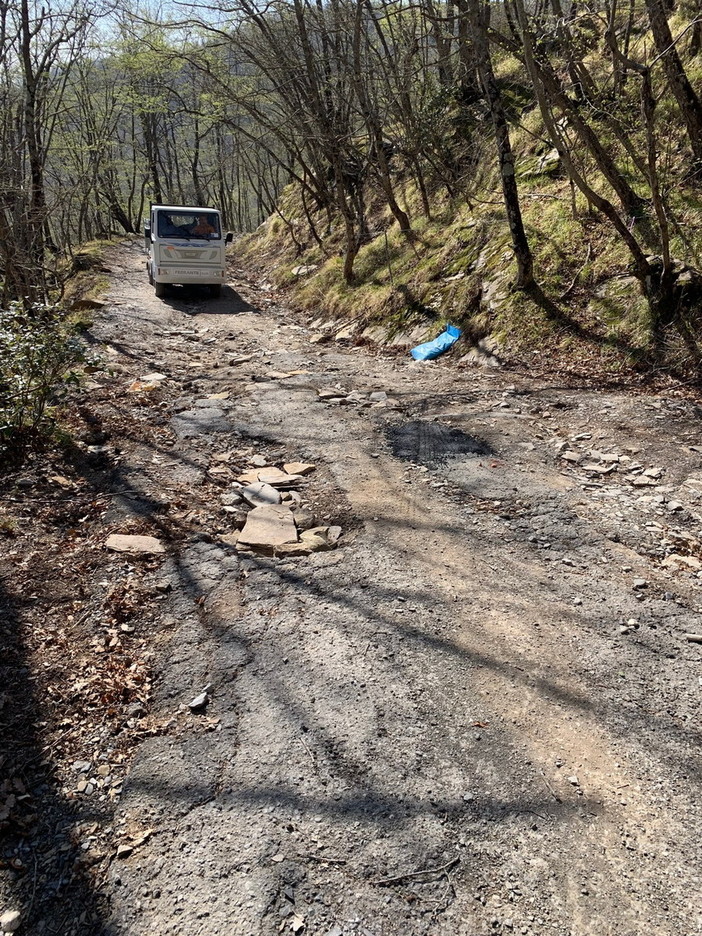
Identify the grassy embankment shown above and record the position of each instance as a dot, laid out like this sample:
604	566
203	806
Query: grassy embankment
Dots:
459	267
42	356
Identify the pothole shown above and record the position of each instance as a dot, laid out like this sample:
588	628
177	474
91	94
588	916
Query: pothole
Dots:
429	443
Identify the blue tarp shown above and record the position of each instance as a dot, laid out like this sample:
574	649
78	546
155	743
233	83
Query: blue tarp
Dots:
432	349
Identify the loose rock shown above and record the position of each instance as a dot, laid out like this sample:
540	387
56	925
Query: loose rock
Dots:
230	539
122	542
237	516
10	921
231	498
276	477
260	494
199	702
299	468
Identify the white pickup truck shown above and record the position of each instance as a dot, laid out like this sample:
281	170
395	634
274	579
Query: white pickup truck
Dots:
185	245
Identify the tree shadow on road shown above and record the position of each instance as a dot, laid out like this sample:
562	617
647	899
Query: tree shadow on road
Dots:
197	300
362	616
46	868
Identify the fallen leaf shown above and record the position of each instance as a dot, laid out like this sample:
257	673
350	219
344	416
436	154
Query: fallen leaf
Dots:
141	386
144	837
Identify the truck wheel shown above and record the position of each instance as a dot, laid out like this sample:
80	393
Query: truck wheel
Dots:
150	274
160	290
216	290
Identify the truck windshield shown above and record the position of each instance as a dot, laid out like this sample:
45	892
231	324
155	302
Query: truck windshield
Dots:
198	225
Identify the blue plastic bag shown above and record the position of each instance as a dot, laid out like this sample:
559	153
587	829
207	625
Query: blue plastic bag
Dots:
432	349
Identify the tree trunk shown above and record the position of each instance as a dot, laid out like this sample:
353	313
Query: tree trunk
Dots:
372	121
632	203
642	268
525	263
684	93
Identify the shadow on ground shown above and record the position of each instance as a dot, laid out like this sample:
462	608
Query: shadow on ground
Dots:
41	853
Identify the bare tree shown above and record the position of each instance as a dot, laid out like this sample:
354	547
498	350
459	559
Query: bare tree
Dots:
479	13
40	44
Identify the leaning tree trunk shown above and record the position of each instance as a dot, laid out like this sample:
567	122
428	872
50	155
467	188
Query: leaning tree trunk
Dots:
525	263
685	95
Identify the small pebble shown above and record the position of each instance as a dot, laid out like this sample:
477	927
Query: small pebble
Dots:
10	921
200	701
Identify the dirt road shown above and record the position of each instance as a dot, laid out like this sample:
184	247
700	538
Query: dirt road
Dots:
478	714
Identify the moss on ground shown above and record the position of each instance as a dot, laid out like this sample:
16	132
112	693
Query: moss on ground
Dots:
85	280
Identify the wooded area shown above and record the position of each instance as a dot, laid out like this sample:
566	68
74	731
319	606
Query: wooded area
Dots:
351	101
301	634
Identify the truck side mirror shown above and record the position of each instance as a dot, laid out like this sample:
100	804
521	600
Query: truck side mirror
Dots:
229	238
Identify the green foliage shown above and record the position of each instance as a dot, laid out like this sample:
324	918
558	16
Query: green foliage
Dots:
39	354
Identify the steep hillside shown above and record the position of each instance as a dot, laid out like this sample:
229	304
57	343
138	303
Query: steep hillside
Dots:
590	310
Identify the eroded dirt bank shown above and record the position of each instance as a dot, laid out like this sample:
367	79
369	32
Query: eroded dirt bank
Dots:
478	714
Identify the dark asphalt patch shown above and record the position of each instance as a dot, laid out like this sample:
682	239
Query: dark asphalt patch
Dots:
430	443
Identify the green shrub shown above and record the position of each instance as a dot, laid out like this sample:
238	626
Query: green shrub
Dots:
39	352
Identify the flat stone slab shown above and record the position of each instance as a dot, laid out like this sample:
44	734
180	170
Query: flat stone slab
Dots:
269	526
122	542
276	477
298	468
269	475
248	477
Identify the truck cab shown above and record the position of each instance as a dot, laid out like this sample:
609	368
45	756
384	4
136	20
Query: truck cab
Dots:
185	245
